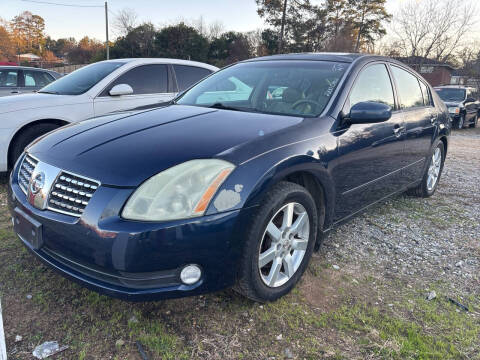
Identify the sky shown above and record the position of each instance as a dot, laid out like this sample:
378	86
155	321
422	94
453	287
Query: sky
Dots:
64	21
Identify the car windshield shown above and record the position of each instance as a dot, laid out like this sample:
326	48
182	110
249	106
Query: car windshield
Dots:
295	88
449	94
81	80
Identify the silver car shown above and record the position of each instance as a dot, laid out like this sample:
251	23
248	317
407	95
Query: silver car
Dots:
23	79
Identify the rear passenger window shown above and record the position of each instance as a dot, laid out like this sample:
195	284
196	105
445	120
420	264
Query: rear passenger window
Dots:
189	75
426	94
36	78
408	88
145	79
373	84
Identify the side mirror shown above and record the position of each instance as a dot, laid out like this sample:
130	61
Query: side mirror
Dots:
121	89
470	99
369	112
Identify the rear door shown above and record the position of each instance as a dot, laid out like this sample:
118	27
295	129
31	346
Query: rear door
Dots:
34	80
420	121
150	84
370	155
9	79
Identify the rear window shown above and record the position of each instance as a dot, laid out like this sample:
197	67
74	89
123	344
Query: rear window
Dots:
189	75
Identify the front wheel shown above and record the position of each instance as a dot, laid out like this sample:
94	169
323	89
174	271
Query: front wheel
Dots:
461	122
432	175
279	243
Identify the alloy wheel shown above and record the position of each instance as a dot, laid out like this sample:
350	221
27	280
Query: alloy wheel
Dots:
460	122
284	243
434	169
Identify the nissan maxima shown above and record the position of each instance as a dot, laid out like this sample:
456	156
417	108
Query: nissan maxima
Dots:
234	183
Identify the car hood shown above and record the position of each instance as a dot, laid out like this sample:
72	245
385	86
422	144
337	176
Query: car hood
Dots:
33	101
121	150
453	103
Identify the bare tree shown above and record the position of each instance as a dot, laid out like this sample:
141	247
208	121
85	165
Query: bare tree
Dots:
124	21
215	29
434	29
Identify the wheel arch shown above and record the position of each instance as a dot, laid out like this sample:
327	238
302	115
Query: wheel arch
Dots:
444	140
304	171
22	129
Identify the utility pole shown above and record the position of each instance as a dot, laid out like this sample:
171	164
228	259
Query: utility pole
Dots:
106	30
282	30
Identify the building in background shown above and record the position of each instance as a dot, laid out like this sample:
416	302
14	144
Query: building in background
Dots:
435	72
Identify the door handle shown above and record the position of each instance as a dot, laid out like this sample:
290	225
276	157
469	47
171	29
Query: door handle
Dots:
14	92
398	130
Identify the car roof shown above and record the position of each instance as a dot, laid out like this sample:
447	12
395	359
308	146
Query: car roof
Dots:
15	67
320	56
454	87
164	61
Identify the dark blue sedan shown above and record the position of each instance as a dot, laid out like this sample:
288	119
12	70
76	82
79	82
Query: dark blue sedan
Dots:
235	182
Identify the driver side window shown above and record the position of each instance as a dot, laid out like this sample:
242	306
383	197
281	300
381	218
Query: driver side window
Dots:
373	84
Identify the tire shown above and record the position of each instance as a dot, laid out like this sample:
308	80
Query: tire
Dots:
474	122
251	280
423	189
26	137
461	122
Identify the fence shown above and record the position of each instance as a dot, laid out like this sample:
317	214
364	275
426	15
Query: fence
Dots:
64	69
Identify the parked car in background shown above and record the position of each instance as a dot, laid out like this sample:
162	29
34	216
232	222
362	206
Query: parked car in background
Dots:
16	80
93	90
215	191
463	104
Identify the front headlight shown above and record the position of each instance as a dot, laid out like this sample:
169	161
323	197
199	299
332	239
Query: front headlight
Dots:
183	191
454	110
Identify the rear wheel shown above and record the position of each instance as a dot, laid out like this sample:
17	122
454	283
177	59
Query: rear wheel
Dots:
26	137
432	175
279	244
474	122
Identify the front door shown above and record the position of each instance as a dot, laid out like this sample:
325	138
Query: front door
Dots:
370	155
149	84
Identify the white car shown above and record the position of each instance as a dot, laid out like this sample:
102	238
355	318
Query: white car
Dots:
91	91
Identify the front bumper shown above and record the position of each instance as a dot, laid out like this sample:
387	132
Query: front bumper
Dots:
4	142
135	260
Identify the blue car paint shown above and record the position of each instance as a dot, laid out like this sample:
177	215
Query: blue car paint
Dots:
124	150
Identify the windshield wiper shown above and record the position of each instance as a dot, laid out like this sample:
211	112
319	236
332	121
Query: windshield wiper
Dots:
226	107
48	92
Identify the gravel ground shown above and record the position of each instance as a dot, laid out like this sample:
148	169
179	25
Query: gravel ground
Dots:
435	238
363	296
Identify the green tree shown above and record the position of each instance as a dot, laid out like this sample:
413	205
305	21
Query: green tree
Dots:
7	47
138	42
230	47
287	18
61	47
28	31
181	42
368	21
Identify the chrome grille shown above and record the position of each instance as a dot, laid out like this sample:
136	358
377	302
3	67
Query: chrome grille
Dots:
25	172
71	193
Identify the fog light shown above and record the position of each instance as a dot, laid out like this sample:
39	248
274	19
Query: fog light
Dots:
190	274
